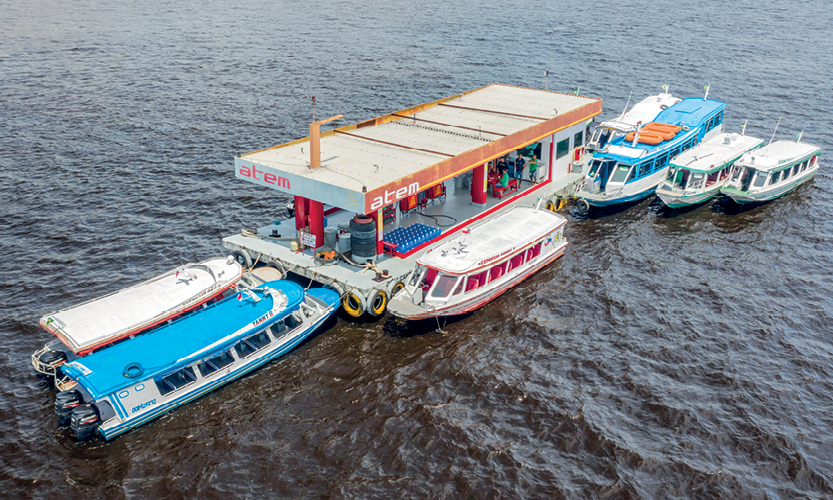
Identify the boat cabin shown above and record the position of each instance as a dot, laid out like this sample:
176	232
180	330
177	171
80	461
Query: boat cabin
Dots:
775	168
642	112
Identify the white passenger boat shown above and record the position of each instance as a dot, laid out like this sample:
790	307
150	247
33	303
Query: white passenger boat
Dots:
97	323
465	273
135	381
642	112
772	171
696	175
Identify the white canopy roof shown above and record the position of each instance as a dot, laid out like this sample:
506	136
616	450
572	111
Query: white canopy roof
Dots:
715	153
777	154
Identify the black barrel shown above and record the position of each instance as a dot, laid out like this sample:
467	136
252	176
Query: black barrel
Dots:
363	238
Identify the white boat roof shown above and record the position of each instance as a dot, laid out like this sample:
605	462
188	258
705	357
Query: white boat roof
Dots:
644	111
716	152
423	144
777	154
491	241
111	316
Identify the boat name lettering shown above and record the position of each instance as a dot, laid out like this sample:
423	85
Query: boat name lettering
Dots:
263	318
268	178
391	196
143	406
495	257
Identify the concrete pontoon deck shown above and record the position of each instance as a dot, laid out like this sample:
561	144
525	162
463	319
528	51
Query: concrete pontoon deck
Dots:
378	166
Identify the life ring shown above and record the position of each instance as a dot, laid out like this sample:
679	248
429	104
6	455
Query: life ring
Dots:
133	370
378	303
242	258
353	303
584	204
396	288
550	206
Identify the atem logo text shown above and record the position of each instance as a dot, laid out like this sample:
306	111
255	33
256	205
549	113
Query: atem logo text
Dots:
268	178
143	405
391	196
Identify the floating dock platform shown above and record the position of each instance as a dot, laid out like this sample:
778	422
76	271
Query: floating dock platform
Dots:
427	165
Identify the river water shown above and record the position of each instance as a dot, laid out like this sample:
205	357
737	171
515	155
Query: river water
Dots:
665	355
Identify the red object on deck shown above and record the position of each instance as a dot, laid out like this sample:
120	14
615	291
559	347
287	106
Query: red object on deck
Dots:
408	203
478	185
300	212
316	221
375	216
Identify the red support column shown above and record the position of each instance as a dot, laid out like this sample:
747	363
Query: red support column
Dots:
376	215
478	185
316	221
300	213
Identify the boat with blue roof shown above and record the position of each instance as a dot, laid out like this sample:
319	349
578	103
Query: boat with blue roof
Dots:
139	379
632	166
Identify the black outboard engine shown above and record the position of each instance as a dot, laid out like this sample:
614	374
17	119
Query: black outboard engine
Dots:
65	402
51	360
84	421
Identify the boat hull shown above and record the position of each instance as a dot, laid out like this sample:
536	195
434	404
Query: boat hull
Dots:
745	197
673	200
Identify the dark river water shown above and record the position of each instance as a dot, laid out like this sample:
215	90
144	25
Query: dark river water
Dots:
664	356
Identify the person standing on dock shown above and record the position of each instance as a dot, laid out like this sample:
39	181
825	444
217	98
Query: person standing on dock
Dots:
519	167
533	169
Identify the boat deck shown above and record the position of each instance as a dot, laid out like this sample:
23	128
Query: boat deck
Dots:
457	204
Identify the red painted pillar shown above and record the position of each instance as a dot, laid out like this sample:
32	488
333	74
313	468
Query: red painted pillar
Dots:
300	212
478	185
316	221
552	159
376	215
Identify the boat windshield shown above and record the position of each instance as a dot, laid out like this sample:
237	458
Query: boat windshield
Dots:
677	178
443	286
620	173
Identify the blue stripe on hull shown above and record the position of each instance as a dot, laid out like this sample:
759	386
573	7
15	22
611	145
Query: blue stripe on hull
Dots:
159	411
624	199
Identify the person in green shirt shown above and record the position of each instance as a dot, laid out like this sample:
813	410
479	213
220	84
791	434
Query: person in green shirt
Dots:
533	169
504	181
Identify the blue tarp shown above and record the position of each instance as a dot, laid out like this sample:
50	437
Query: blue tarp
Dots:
160	350
691	112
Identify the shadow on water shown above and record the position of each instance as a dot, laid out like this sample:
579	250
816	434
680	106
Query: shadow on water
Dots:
728	206
662	210
402	328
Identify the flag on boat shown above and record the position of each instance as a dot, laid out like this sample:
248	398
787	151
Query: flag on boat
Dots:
240	296
466	231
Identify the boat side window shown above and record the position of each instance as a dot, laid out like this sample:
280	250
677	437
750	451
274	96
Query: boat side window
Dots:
671	173
443	286
620	173
460	284
475	281
646	168
429	278
516	261
661	162
760	180
775	178
736	172
251	345
278	328
594	167
712	178
216	363
787	173
294	320
533	252
497	271
803	165
719	119
795	168
632	175
175	380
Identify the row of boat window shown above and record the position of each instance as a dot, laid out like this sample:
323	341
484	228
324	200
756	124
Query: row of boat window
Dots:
684	179
440	287
244	348
781	175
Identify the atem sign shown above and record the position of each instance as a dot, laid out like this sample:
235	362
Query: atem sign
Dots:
391	196
259	175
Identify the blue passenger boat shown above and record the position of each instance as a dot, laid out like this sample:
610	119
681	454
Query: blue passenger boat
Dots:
137	380
631	167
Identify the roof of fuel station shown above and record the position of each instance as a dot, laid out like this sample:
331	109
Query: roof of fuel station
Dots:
421	145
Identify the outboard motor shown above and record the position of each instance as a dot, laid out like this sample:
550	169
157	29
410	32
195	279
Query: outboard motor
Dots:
51	360
65	402
84	421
